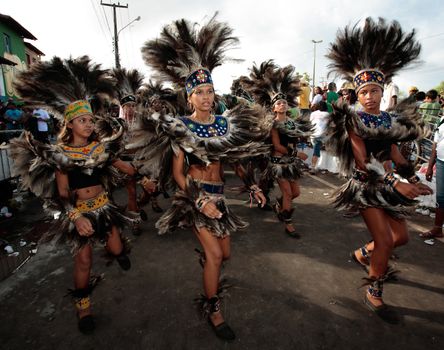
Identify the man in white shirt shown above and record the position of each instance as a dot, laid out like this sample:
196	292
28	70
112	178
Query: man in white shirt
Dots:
437	157
390	96
42	124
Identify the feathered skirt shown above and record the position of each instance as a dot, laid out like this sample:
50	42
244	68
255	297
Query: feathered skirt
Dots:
286	168
367	190
184	214
102	213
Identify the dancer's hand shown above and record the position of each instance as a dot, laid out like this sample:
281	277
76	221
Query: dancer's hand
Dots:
148	185
408	190
425	190
429	174
302	155
210	210
84	226
260	198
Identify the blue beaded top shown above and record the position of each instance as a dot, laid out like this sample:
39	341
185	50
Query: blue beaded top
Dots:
218	128
375	121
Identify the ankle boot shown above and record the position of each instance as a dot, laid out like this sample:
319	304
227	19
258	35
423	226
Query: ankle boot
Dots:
82	302
222	330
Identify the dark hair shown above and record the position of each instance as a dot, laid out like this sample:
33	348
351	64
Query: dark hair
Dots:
320	106
420	96
331	86
432	94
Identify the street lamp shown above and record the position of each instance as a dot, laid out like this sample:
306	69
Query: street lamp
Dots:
116	39
314	60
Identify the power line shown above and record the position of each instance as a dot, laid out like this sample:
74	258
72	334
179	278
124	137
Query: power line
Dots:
98	19
106	19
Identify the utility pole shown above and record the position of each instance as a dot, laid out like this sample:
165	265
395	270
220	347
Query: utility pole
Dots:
116	38
314	60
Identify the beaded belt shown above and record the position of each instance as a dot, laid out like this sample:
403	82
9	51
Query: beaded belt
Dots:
93	203
279	160
212	187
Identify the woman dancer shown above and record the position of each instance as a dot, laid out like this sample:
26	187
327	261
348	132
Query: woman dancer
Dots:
80	163
190	149
277	88
364	140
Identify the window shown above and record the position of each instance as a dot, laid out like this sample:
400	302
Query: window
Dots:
7	43
28	59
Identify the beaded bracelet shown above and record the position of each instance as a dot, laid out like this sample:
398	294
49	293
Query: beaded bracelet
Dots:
390	179
74	214
255	188
201	202
414	179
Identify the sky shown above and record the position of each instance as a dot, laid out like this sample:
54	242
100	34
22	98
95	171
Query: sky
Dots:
282	30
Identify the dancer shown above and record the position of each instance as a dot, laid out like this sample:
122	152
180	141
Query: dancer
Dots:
364	140
189	150
277	88
128	83
80	165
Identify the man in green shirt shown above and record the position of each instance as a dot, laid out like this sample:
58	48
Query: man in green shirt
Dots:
332	95
430	108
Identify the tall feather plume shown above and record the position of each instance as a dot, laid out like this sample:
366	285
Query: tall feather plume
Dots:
183	47
385	47
155	90
128	82
268	79
56	83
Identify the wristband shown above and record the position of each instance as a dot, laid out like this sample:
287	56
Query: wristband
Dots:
74	214
390	179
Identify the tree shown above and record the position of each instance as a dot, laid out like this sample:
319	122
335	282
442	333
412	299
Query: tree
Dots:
440	88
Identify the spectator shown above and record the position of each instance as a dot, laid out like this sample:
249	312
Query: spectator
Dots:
430	108
42	117
317	96
390	96
319	118
413	90
420	97
304	97
13	117
331	96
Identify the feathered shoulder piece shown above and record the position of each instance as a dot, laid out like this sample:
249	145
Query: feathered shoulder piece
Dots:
403	124
379	47
154	95
300	127
128	82
159	136
184	47
36	162
56	83
268	82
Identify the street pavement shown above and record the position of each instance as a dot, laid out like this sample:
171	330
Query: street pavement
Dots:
282	293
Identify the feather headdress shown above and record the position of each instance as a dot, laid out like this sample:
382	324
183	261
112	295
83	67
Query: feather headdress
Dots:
153	94
269	83
65	86
372	54
128	82
185	54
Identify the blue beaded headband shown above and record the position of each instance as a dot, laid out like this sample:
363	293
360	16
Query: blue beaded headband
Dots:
368	76
199	77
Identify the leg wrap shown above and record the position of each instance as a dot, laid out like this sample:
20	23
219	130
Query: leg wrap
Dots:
375	288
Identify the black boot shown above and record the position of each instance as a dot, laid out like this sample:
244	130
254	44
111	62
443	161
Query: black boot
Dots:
286	218
124	261
82	302
222	330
